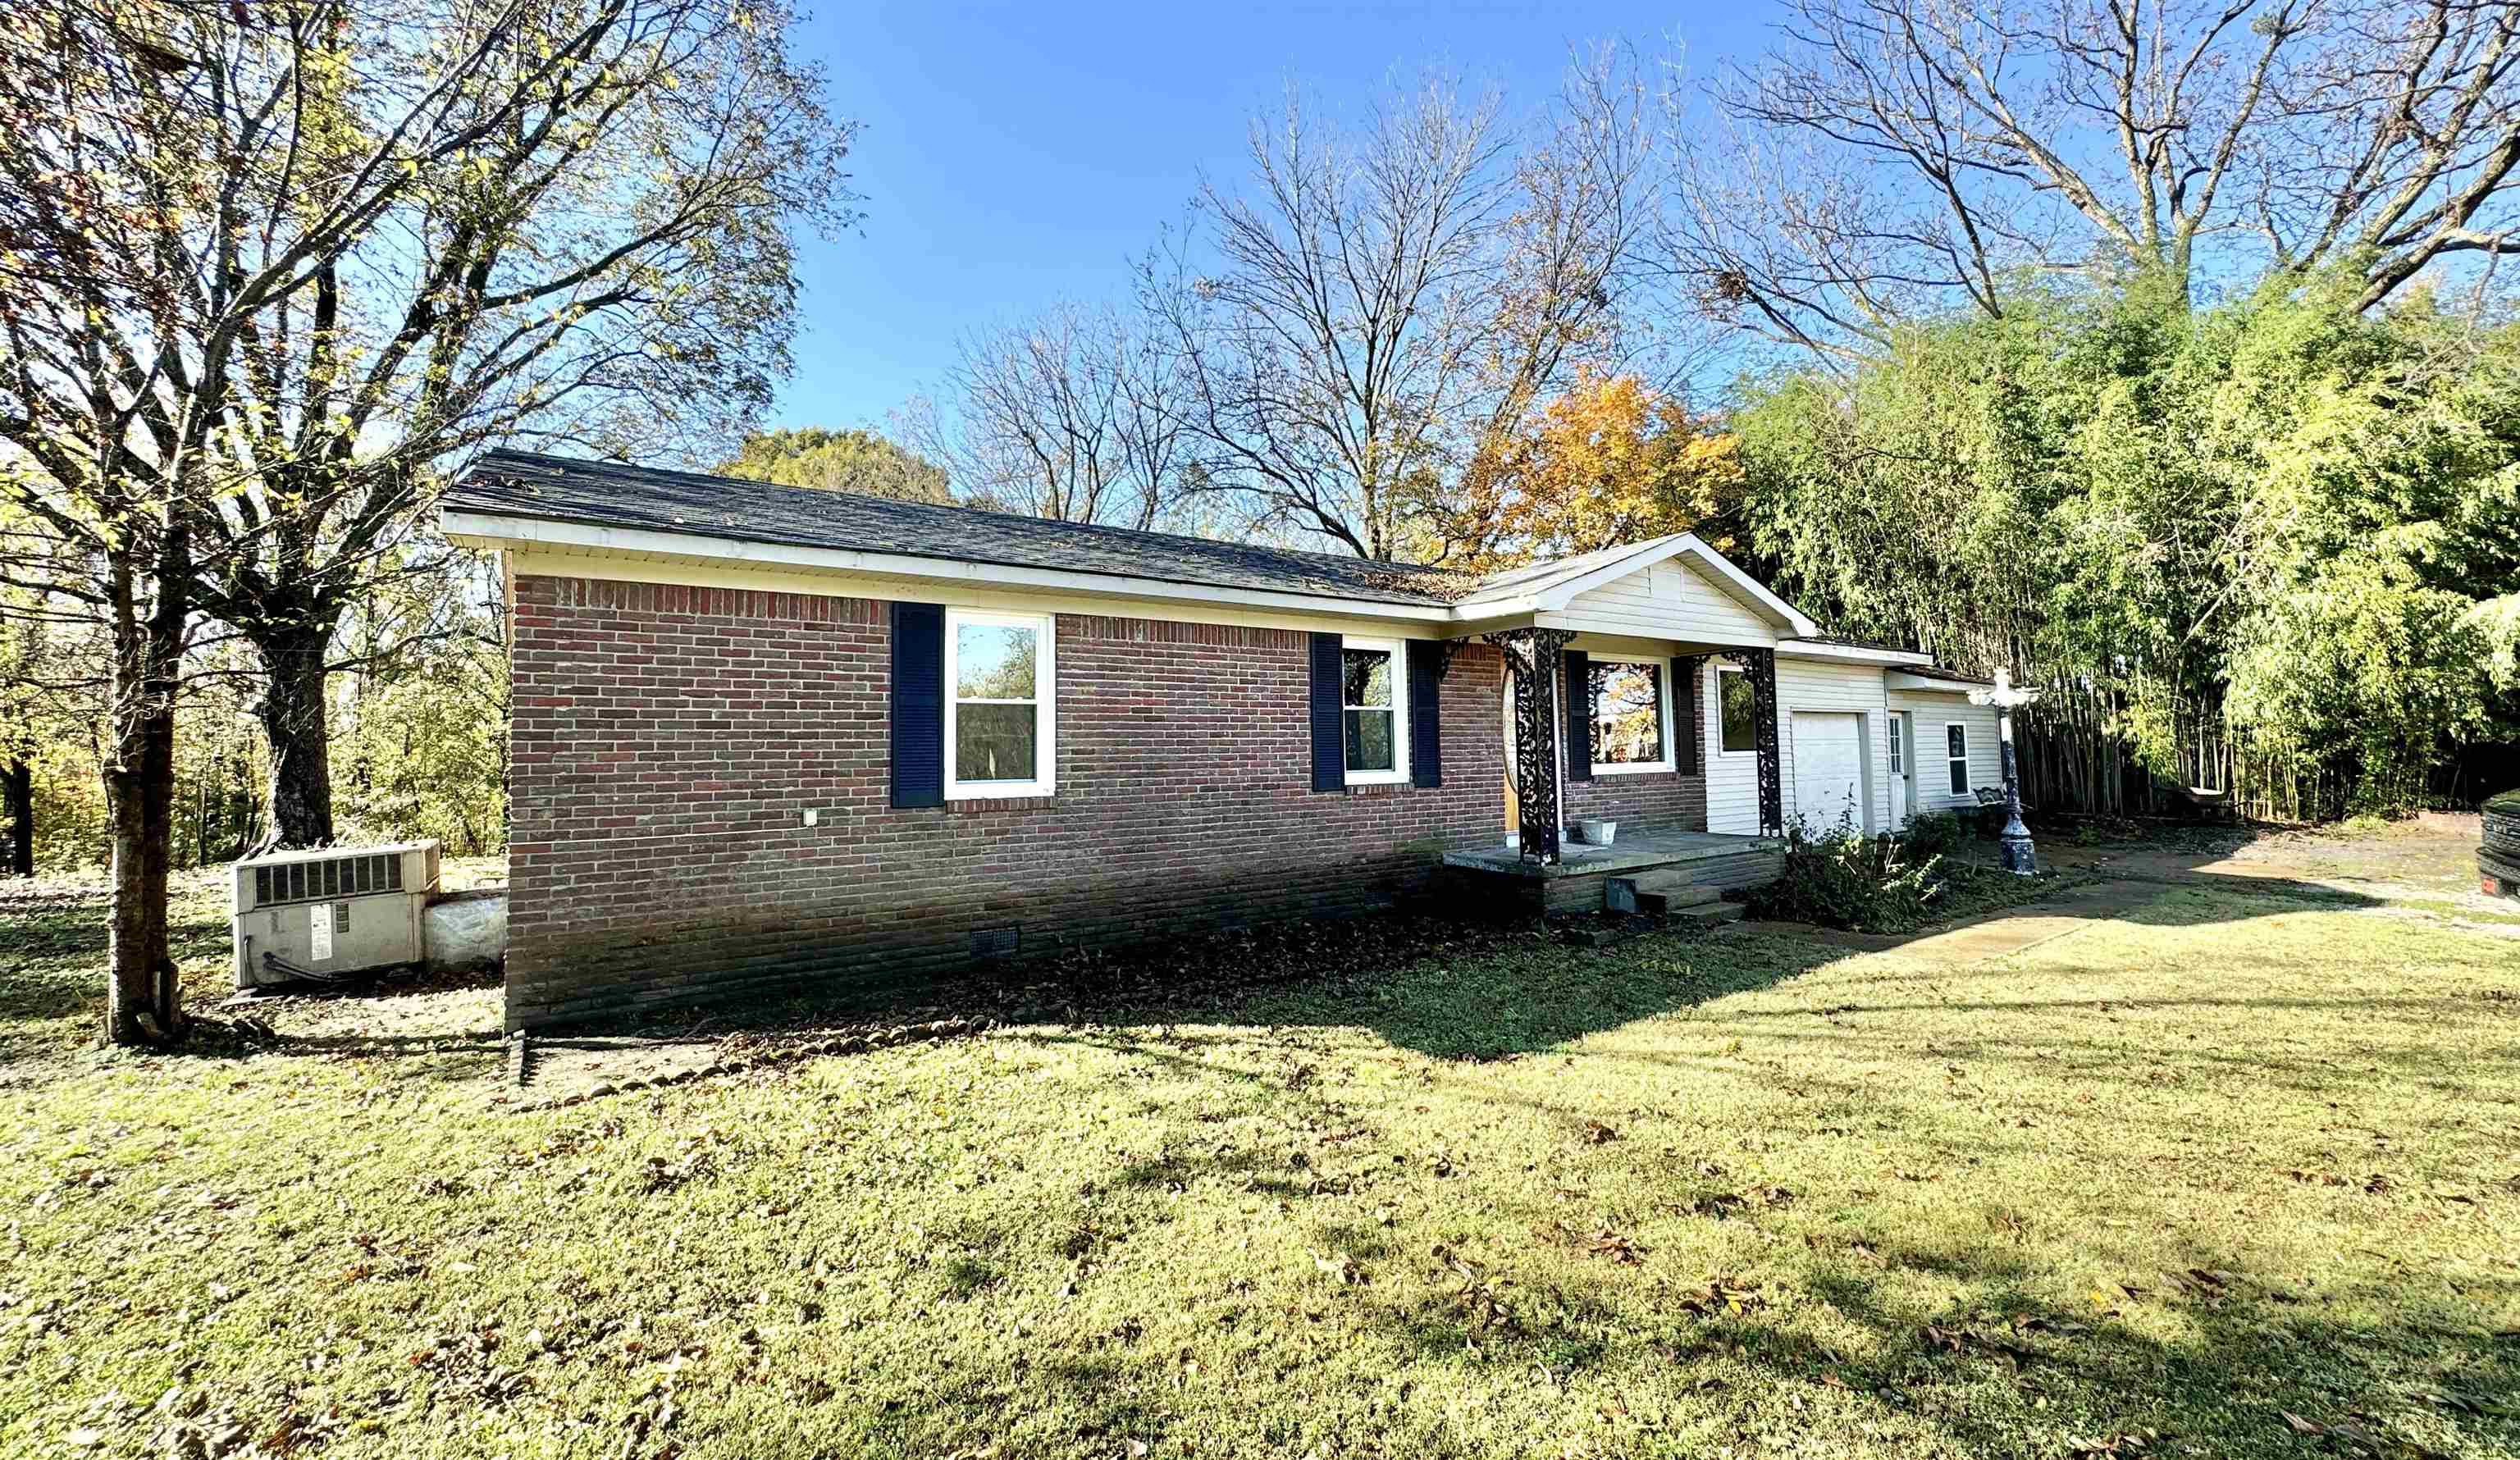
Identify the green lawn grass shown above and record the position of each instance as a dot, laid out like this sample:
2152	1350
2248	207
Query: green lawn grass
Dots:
2247	1151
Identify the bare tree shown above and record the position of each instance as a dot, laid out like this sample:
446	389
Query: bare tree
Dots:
262	267
1331	346
1585	194
609	265
1898	155
2402	142
1374	304
1074	414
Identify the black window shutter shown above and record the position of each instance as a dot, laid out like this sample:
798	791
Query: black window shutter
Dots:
1427	712
1684	729
1329	741
918	704
1579	716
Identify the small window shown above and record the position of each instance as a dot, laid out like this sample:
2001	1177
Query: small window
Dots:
1629	722
1898	744
1955	737
998	713
1370	708
1739	704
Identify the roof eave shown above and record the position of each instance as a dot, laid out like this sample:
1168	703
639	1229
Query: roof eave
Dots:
1936	683
1553	596
1860	653
479	527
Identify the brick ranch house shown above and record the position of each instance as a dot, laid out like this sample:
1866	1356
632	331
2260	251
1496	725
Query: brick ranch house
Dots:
764	735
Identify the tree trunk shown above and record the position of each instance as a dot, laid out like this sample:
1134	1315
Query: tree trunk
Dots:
296	725
18	789
142	1003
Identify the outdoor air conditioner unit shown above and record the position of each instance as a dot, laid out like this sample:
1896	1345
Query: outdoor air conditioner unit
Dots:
317	917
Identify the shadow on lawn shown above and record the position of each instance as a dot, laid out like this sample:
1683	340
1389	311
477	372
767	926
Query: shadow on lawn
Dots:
1482	990
2383	1360
2186	1341
1440	984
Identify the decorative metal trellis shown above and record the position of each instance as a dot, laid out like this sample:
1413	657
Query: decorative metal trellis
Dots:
1532	657
1761	665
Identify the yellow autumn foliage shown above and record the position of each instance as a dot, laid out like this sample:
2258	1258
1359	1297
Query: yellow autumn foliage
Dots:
1611	461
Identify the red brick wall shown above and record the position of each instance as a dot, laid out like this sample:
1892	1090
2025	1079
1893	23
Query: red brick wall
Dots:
667	739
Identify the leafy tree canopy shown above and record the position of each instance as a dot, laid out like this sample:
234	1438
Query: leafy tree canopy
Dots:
2279	519
854	460
1609	461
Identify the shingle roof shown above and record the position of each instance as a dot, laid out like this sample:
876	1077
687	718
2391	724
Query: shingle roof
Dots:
606	493
1937	672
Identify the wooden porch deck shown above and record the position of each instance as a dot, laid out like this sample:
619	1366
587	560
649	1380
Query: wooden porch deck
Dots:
1580	882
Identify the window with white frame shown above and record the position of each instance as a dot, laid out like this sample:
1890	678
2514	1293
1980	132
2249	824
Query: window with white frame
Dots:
999	710
1739	705
1631	722
1898	744
1373	692
1955	750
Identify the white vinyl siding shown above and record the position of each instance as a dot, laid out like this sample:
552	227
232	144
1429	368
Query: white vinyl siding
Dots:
1668	601
1731	780
1823	685
1931	711
1814	685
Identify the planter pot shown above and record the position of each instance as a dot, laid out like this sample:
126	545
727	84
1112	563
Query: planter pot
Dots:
1594	832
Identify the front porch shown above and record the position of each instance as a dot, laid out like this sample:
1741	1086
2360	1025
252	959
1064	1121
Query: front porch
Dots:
1663	860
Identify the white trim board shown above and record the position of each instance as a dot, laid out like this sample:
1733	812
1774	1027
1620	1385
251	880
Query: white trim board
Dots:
1665	714
1920	684
1044	781
1858	653
1546	594
1398	652
480	530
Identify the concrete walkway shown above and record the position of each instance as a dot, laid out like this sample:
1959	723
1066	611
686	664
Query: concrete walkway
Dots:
2106	884
1988	935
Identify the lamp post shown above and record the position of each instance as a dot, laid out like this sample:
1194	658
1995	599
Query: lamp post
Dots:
2020	858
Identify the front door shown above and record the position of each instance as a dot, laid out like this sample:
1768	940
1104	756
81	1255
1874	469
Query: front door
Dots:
1899	746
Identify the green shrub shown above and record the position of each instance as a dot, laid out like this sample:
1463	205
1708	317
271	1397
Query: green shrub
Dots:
1844	879
1935	833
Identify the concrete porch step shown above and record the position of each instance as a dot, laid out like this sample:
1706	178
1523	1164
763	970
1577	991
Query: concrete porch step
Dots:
1709	914
1662	890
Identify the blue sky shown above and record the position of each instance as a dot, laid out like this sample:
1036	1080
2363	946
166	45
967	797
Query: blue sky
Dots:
1016	154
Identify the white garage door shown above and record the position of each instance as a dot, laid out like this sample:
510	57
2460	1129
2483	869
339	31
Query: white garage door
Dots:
1829	769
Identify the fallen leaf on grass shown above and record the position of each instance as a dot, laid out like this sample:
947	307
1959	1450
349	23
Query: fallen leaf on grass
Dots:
2468	1404
2131	1442
1965	1340
2357	1438
2035	1323
2200	1282
1723	1203
1616	1247
1723	1296
1341	1270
